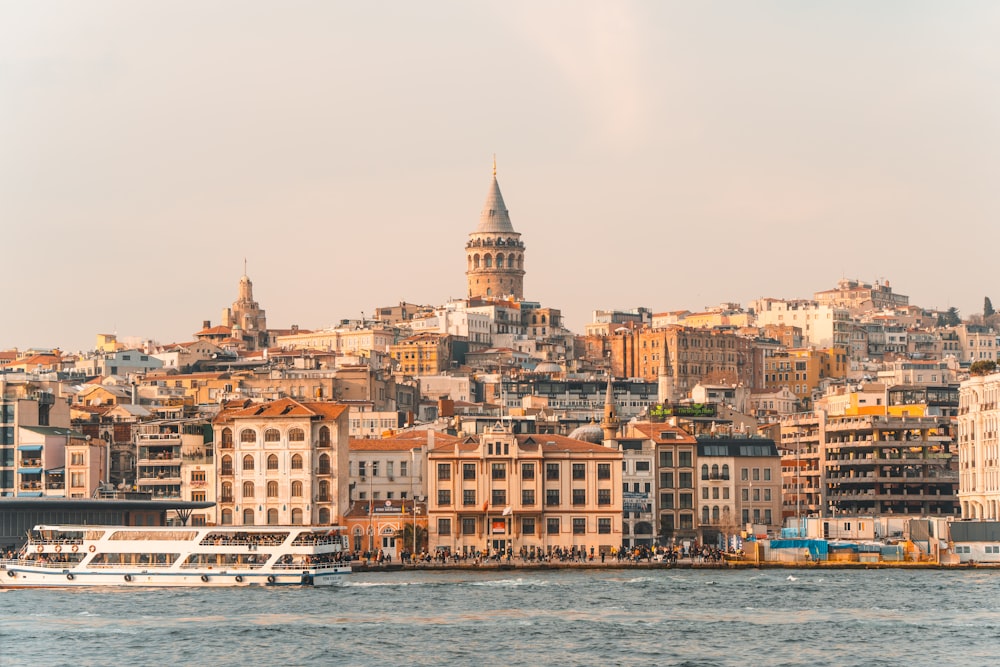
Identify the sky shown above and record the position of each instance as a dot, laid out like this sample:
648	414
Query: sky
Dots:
672	155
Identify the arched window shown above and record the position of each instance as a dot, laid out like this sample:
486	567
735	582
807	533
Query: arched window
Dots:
704	514
324	436
704	471
272	462
296	462
248	489
296	435
324	516
499	260
488	261
296	489
227	517
725	471
248	435
272	435
296	517
247	517
227	492
227	465
272	517
715	471
324	491
324	464
248	462
272	489
715	514
227	438
475	261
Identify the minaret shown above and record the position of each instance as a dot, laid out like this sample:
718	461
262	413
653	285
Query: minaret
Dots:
611	422
664	380
494	252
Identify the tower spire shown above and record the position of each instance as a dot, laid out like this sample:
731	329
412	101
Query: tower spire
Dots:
494	165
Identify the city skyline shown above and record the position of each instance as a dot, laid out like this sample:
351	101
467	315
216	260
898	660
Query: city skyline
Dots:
760	151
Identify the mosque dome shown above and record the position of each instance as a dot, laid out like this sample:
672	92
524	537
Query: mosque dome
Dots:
548	367
591	433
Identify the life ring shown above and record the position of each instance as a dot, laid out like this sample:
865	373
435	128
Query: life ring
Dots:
270	578
128	577
204	577
92	548
239	579
11	573
74	548
70	576
57	549
39	548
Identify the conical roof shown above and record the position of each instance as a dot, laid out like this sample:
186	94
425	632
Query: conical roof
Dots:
494	219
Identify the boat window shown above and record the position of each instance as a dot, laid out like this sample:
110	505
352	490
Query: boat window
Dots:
243	559
144	559
154	535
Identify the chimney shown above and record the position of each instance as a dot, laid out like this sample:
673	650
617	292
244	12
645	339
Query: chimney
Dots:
206	324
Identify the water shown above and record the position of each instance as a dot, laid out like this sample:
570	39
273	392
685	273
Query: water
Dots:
607	617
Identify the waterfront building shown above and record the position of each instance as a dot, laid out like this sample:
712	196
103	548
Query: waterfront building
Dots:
393	467
979	447
822	325
494	252
387	526
500	490
282	462
739	487
19	409
423	354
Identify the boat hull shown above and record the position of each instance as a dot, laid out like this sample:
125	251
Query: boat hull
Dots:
14	576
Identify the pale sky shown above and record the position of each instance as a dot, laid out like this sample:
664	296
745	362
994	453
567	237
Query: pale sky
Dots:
664	154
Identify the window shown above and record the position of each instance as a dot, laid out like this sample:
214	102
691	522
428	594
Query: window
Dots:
756	495
687	501
767	474
362	465
499	497
756	474
78	479
603	471
468	525
704	493
272	435
324	491
684	459
744	474
725	471
604	496
248	517
666	459
666	501
551	471
296	462
686	480
642	466
296	435
227	438
296	489
403	469
552	526
248	489
469	497
552	496
324	436
527	526
374	468
527	497
468	471
272	462
527	471
227	492
667	480
324	465
248	435
579	526
444	471
296	517
579	496
272	489
725	493
272	517
248	462
704	471
76	459
197	475
444	497
745	494
499	470
444	526
579	471
687	521
767	494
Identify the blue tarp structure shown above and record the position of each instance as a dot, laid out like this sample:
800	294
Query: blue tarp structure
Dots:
817	548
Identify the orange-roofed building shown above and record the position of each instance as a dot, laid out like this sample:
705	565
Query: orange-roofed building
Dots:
282	463
499	491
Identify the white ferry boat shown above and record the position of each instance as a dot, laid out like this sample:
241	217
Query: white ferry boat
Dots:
61	556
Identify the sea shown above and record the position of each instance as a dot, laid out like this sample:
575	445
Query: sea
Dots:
492	618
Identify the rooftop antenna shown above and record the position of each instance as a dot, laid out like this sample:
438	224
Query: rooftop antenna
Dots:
494	165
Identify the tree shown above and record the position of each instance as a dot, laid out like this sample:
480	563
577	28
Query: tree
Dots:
950	318
404	538
984	367
988	307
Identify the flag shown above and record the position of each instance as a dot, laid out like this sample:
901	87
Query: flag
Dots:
507	510
486	505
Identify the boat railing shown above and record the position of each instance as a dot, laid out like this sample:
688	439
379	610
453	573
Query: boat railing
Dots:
222	566
65	540
309	566
51	565
118	566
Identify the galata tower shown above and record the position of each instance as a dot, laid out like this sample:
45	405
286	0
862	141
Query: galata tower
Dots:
494	252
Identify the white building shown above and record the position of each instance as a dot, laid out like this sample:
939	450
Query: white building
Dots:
979	447
822	325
